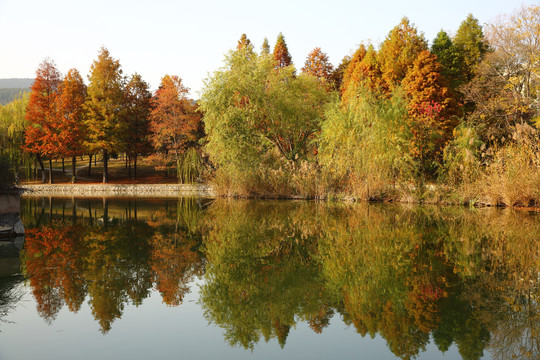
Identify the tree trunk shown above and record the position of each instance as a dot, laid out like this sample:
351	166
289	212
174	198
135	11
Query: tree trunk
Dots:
90	165
73	169
63	167
105	213
105	167
128	162
38	157
135	166
50	171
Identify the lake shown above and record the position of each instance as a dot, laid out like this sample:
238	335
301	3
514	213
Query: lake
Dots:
237	279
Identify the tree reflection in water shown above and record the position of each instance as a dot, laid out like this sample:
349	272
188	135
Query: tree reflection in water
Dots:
455	276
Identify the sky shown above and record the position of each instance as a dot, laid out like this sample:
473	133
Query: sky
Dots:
190	38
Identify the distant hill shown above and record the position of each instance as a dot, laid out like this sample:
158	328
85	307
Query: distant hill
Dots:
8	95
10	89
16	83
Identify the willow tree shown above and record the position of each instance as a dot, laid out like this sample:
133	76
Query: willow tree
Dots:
258	118
104	107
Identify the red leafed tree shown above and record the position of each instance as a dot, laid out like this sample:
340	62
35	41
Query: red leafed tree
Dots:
317	64
174	120
41	135
281	53
70	100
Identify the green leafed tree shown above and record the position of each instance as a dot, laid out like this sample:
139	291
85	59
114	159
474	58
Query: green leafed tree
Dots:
258	118
471	46
449	58
104	107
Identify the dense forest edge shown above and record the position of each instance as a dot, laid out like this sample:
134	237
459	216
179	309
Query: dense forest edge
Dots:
454	120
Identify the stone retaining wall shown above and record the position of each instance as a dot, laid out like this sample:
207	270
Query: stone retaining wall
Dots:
119	190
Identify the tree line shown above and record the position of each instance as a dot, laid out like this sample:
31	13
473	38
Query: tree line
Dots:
65	118
390	119
462	112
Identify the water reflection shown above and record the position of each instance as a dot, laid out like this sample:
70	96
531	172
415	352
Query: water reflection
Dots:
411	275
113	254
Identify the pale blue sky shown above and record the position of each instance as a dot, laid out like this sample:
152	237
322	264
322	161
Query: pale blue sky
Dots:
189	38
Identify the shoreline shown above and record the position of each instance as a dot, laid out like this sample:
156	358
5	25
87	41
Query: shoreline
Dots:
117	190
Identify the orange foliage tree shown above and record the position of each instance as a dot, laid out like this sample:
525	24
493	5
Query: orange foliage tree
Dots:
351	66
398	52
42	134
53	265
432	107
70	100
317	64
174	120
281	53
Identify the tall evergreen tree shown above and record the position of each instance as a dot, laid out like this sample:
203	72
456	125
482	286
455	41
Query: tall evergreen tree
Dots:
449	58
471	45
281	53
104	106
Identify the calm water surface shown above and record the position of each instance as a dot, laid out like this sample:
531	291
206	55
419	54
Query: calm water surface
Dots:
207	279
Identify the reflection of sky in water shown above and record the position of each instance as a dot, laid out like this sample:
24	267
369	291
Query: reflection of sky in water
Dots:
156	331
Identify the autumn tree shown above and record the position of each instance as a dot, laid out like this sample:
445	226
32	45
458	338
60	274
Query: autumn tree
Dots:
471	46
351	67
244	42
70	101
265	48
174	120
505	90
336	77
281	53
431	107
364	75
136	118
42	132
398	52
104	107
318	65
